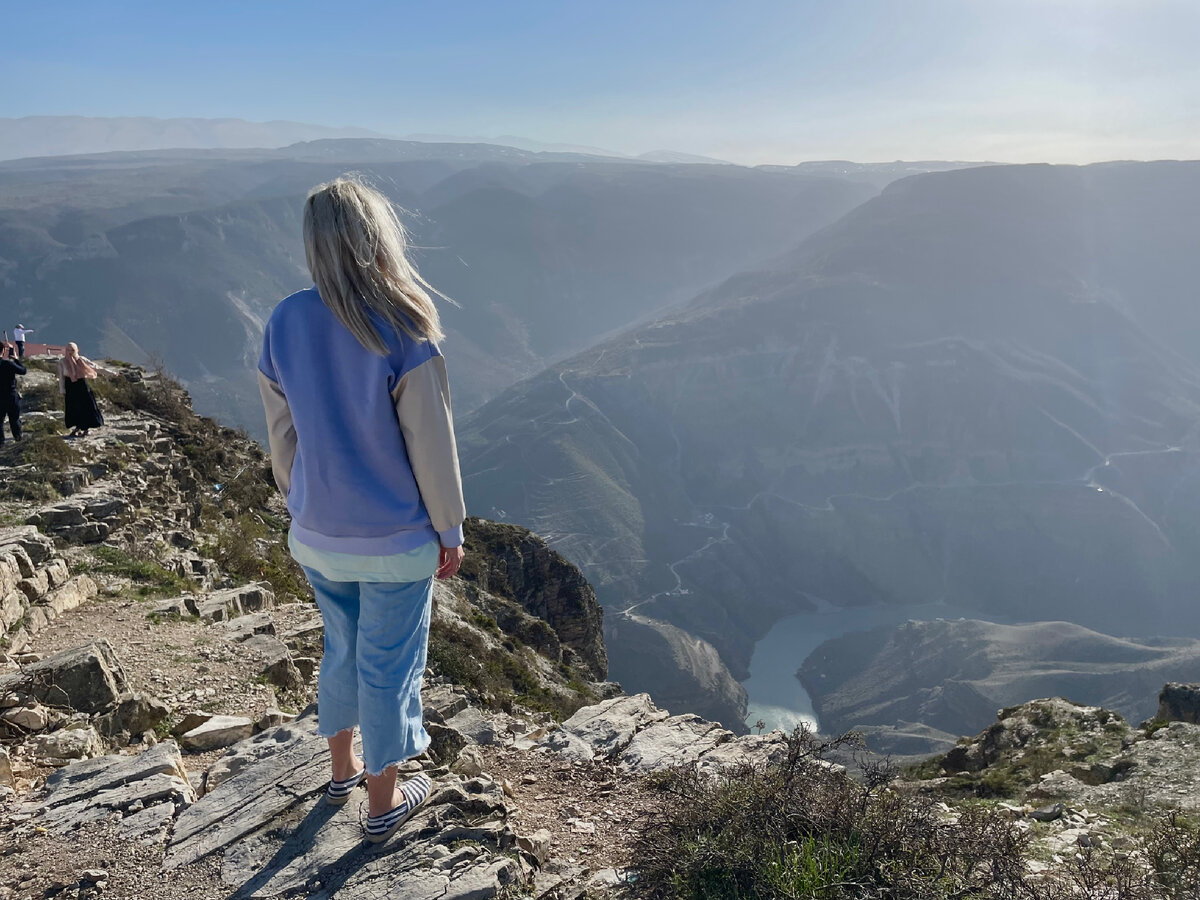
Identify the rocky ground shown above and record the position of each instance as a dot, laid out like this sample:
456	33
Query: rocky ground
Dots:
158	673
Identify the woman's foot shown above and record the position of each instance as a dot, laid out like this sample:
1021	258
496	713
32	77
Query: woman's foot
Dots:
339	790
405	799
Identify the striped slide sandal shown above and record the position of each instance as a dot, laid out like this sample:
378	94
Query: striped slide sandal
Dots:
416	791
339	792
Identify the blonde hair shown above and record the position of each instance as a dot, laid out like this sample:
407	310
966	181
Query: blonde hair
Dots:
355	246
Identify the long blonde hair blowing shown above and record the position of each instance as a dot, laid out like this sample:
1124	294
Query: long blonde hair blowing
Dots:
355	245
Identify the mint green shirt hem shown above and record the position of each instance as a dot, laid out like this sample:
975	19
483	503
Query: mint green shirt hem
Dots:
415	565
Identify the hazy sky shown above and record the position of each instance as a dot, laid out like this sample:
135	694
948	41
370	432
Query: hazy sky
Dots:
751	81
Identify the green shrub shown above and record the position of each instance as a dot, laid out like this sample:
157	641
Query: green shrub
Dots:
800	829
150	577
498	677
247	548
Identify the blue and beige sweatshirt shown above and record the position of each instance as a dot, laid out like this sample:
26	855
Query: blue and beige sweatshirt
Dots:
362	445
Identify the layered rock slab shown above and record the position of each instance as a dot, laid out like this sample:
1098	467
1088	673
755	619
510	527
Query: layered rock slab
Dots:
277	836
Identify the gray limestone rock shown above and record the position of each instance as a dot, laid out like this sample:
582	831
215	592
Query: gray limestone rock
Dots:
58	516
604	729
149	824
191	720
277	836
104	508
175	606
445	743
69	743
306	638
36	545
272	717
217	732
82	779
29	718
12	607
473	725
442	702
674	741
87	678
74	593
134	713
234	602
1179	703
87	533
35	585
245	627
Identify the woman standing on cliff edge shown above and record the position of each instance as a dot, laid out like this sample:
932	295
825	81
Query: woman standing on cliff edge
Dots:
362	446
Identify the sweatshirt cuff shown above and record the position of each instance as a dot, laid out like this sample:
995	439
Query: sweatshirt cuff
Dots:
451	538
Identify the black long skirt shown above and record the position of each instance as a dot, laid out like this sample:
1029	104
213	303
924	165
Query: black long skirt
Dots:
80	403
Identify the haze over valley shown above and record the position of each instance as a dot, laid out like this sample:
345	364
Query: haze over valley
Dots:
817	398
543	253
979	389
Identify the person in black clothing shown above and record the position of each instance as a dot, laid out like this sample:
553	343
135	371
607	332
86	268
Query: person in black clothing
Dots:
10	400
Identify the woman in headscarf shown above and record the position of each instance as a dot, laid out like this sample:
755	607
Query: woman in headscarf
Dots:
362	447
82	412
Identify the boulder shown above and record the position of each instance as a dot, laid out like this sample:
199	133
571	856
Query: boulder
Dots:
29	718
445	743
272	717
113	782
537	844
234	602
59	516
1179	703
75	592
36	545
87	678
441	702
217	732
12	607
674	741
193	719
306	638
175	606
134	713
277	662
87	533
245	627
6	772
104	507
473	725
35	585
604	729
57	573
69	743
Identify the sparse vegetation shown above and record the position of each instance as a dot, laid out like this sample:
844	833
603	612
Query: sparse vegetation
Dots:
150	579
499	677
801	829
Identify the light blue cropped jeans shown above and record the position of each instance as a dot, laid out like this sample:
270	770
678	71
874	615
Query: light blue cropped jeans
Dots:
375	641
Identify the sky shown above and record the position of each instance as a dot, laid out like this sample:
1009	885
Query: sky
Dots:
756	81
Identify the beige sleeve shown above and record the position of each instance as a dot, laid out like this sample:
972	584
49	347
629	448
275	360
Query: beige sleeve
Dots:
422	401
281	433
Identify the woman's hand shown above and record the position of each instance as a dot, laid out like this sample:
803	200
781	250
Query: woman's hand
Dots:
449	559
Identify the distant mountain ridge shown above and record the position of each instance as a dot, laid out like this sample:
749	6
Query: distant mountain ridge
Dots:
545	252
74	135
953	675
